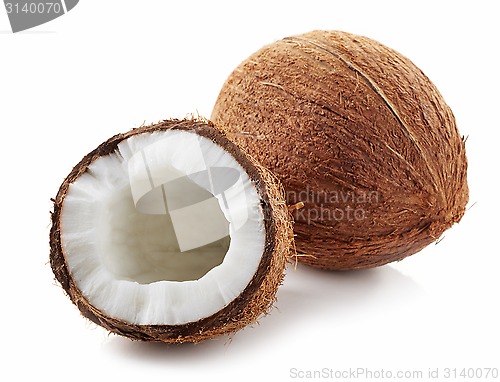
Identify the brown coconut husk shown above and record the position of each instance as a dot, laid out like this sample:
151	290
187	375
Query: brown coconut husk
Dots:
258	297
348	124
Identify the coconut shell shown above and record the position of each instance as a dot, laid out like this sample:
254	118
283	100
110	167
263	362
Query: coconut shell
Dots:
257	298
360	135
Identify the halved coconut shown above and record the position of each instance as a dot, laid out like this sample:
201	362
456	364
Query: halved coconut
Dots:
170	233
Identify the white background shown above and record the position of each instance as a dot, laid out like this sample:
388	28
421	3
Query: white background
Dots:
108	66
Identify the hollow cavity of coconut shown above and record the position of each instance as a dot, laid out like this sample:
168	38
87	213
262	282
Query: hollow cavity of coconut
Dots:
360	135
170	233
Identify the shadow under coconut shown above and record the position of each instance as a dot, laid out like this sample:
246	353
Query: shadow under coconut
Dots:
341	294
306	294
337	297
156	352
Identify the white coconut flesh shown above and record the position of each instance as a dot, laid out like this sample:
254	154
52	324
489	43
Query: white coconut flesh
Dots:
166	230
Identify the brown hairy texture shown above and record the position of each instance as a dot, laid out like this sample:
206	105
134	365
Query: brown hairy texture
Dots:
360	135
258	297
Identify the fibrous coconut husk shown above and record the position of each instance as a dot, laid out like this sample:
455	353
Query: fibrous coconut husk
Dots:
360	135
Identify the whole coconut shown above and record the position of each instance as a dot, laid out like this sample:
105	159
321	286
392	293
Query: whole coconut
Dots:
360	135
